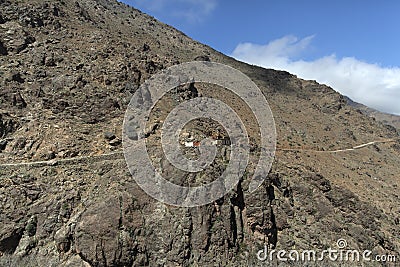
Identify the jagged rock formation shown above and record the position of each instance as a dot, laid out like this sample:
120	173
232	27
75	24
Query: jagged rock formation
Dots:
67	72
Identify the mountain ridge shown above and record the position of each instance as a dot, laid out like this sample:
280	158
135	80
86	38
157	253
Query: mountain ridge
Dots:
386	118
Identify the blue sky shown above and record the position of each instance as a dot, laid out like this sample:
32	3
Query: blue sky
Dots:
350	45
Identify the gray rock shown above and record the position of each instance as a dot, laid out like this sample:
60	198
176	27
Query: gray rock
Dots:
109	136
3	144
15	77
15	38
3	49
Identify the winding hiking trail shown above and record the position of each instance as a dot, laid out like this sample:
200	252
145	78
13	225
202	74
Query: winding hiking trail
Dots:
120	155
75	160
340	150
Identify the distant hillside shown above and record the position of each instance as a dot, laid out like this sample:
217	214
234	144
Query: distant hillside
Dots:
389	119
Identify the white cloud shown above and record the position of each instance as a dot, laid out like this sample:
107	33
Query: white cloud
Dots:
190	10
375	86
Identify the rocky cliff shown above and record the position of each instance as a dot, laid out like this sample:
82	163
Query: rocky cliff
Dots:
67	72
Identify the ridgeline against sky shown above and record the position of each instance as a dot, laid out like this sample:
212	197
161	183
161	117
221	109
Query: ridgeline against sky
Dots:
349	45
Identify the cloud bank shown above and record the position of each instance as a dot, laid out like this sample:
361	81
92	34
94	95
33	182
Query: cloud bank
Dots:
190	10
370	84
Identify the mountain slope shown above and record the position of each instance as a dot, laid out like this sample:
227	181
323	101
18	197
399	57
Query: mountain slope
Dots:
68	70
386	118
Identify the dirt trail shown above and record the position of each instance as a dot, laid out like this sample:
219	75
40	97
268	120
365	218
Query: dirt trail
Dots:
75	160
120	155
340	150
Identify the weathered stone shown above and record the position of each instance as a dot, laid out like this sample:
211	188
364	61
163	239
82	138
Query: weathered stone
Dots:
15	77
19	144
18	101
109	136
145	48
3	49
15	38
3	144
202	58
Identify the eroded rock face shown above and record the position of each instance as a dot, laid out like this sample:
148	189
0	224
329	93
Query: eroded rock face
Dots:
68	69
7	126
112	222
14	38
119	225
3	49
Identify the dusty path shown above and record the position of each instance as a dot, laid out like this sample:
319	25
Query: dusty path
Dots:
340	150
119	155
75	160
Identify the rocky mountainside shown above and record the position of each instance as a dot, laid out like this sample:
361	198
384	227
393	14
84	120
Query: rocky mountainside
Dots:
68	69
388	119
